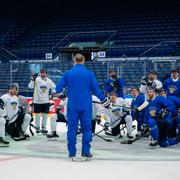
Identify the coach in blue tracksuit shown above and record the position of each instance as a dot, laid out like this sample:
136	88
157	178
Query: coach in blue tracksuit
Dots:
172	84
81	84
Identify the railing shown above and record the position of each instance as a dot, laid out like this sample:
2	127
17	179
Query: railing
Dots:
6	55
158	47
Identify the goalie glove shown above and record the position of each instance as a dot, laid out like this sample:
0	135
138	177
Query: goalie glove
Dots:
106	103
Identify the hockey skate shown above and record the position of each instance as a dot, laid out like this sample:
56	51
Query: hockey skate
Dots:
129	136
153	144
44	131
3	143
53	135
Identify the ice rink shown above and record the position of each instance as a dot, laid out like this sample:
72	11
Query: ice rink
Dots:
40	158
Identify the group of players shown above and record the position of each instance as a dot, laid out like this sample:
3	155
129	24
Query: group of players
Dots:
155	107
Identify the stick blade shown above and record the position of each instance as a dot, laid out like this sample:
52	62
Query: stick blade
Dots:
127	142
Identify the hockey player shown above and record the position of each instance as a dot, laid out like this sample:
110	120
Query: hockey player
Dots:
3	143
138	113
158	114
150	82
59	116
24	116
80	83
119	113
114	83
17	120
175	114
41	85
172	84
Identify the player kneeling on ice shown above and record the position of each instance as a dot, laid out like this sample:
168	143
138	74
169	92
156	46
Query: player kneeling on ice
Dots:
158	115
59	116
17	121
3	143
119	114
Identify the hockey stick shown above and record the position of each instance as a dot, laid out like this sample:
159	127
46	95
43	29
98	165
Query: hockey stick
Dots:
105	139
131	141
123	107
36	128
106	127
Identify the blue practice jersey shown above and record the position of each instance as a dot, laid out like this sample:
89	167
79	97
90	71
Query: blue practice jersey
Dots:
108	86
172	87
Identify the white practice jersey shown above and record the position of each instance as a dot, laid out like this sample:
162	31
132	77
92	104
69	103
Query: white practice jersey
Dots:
97	108
115	112
42	88
11	105
156	84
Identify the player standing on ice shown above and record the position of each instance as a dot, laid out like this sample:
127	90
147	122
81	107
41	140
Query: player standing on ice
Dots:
80	83
41	85
59	116
150	82
114	83
172	84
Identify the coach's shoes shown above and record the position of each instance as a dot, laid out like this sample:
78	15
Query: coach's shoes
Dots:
53	135
87	157
3	143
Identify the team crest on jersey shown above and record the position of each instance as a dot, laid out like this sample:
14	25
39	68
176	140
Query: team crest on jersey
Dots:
14	105
172	89
43	89
152	111
117	112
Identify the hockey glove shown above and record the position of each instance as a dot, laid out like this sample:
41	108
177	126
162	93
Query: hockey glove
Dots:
162	113
98	119
106	103
34	76
62	96
136	109
144	80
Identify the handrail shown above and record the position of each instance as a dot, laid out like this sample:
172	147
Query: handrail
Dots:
9	52
156	45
